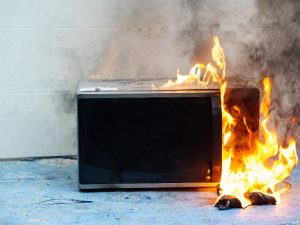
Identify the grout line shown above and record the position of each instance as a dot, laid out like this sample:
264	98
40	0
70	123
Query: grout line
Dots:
57	28
51	92
143	28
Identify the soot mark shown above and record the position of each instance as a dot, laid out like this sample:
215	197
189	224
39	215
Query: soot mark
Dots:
67	103
67	201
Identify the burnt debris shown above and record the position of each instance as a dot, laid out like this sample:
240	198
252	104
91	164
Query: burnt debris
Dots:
256	198
228	202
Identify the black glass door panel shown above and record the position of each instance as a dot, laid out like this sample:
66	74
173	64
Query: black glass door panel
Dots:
144	140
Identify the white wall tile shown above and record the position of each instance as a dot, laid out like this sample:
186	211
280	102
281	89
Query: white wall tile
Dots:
117	54
126	13
86	13
37	125
26	60
38	60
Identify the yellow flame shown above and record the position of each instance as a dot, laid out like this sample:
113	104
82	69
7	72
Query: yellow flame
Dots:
268	164
256	173
201	74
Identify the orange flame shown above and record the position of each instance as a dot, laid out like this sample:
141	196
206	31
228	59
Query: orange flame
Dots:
200	74
268	164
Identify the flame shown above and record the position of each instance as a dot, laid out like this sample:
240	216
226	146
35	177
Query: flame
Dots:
251	162
268	164
201	74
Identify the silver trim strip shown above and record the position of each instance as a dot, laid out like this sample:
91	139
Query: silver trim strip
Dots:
148	185
150	91
128	94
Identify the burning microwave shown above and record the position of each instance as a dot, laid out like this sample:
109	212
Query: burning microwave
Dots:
133	137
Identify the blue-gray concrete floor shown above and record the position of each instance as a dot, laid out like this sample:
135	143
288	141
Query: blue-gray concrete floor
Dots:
45	192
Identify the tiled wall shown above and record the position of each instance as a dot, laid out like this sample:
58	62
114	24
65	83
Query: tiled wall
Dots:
47	45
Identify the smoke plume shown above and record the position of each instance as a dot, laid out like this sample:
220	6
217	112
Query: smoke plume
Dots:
259	38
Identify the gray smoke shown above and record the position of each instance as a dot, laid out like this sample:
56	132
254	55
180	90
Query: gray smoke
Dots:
142	47
260	38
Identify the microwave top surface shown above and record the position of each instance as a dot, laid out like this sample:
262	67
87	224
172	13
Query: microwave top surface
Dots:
131	88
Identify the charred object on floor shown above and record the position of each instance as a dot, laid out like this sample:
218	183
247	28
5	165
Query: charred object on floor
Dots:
256	198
